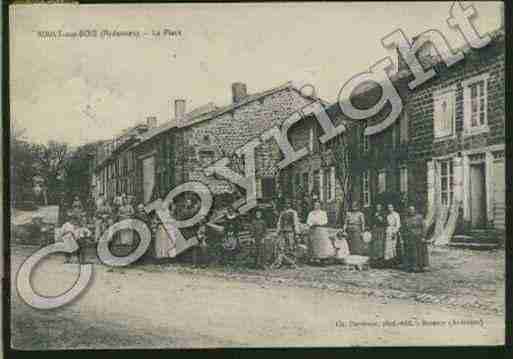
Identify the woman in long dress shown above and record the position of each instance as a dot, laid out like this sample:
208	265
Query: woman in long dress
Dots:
316	218
416	256
164	245
377	246
103	212
391	234
354	225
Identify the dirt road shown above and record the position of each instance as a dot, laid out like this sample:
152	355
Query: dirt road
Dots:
132	308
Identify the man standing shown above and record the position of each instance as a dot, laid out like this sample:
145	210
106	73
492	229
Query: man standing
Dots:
258	231
288	226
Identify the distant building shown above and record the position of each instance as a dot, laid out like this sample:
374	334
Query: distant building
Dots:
149	163
114	163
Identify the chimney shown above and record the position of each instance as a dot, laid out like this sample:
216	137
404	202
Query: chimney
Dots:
239	91
502	24
179	109
151	121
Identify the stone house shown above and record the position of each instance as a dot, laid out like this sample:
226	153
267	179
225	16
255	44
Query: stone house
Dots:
447	146
432	150
113	170
179	150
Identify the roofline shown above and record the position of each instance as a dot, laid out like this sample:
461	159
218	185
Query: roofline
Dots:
223	110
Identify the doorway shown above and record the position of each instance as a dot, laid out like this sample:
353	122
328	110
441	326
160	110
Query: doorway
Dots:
478	195
148	169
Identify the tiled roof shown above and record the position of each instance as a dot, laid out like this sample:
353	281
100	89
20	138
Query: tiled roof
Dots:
428	60
210	111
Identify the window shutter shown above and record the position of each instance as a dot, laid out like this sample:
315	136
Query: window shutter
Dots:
404	127
321	185
333	184
258	188
444	114
466	107
311	139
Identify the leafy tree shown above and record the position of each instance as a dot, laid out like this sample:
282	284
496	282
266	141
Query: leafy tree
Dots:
51	165
22	166
77	170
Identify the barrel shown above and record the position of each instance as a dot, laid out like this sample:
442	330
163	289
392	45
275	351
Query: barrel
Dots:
320	244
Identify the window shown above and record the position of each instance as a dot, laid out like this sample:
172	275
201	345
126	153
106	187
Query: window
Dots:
206	157
444	112
333	184
298	183
306	184
329	183
365	139
316	183
403	119
446	181
475	102
382	181
366	189
311	139
366	143
403	179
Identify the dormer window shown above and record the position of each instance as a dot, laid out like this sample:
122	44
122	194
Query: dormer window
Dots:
206	156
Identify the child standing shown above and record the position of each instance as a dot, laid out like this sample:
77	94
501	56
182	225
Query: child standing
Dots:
200	254
258	231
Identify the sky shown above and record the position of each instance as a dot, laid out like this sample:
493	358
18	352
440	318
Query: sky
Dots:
81	90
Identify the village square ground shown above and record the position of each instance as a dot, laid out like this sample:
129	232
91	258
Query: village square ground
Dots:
459	301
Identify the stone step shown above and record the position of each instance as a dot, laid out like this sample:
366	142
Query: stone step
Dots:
473	245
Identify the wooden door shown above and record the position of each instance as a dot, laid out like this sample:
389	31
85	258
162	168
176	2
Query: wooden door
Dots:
478	195
499	195
148	168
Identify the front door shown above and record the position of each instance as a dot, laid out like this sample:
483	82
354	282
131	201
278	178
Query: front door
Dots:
478	195
148	168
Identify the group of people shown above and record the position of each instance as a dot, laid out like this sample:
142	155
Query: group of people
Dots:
386	238
78	227
392	241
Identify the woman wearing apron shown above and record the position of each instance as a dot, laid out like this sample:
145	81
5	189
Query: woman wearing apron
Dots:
354	226
391	235
377	246
319	244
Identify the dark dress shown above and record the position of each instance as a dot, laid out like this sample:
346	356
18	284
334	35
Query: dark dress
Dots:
377	246
258	230
416	252
355	223
231	237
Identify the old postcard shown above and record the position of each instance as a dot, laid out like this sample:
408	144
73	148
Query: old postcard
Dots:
257	175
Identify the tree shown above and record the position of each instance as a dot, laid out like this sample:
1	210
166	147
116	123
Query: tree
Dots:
22	170
51	165
23	160
77	168
343	154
